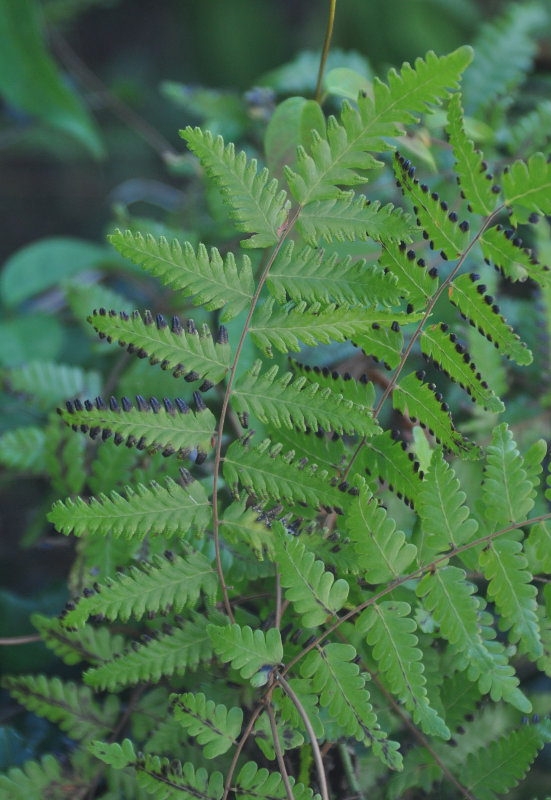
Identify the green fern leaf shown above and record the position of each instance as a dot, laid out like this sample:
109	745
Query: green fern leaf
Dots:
186	352
112	467
342	690
171	427
311	276
256	206
215	282
265	473
417	399
352	217
381	551
167	582
68	705
540	540
212	725
459	696
507	492
469	168
415	282
249	651
389	630
500	765
171	508
171	653
253	783
445	519
287	327
504	49
361	392
510	587
362	130
468	295
64	458
439	225
164	778
387	460
22	449
47	383
93	645
505	249
450	356
297	403
312	590
382	344
527	187
242	524
531	129
36	780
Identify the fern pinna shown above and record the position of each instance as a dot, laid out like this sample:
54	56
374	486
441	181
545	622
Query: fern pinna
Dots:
297	615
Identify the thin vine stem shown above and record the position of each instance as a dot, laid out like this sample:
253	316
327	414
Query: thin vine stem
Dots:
279	754
11	640
246	733
225	405
325	51
313	740
411	576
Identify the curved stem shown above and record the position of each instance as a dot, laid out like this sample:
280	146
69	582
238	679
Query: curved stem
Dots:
279	754
10	640
325	51
239	748
225	403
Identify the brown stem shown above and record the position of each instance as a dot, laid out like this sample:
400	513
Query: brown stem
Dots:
9	640
218	454
279	754
325	51
239	748
308	725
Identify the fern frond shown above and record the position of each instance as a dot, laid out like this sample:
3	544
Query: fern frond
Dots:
335	161
312	276
451	357
168	582
342	690
445	519
171	653
388	460
287	327
256	206
93	645
213	282
253	783
459	696
504	49
540	540
70	706
297	403
500	765
419	401
381	551
350	217
414	280
440	226
505	567
169	427
469	296
264	472
186	352
242	524
382	344
505	249
527	187
359	392
48	383
311	589
531	130
166	779
389	630
248	651
36	780
171	508
22	449
506	492
212	725
469	166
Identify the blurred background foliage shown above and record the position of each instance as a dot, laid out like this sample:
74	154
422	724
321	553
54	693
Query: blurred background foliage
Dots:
93	93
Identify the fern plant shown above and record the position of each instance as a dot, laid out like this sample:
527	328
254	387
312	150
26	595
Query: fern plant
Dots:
325	581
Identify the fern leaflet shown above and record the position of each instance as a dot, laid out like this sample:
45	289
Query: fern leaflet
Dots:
388	460
311	589
185	351
505	249
507	492
215	282
212	725
37	780
527	187
93	645
253	783
414	280
249	651
256	205
352	217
